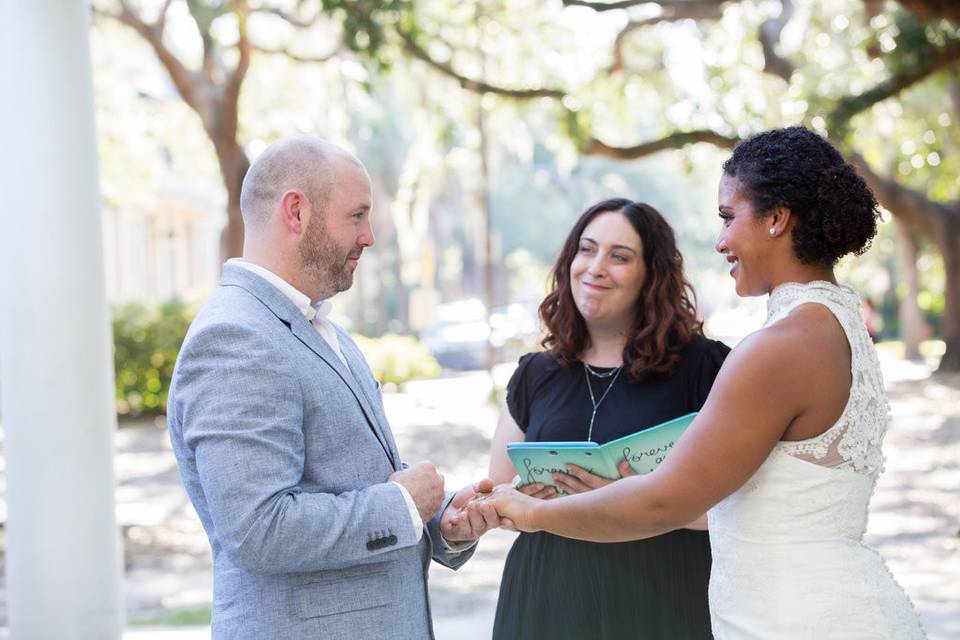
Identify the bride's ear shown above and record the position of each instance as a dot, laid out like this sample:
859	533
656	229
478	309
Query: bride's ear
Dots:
779	221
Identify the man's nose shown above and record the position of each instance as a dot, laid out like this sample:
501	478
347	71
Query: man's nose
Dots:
366	236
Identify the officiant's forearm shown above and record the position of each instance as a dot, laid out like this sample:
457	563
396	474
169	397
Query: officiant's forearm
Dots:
629	509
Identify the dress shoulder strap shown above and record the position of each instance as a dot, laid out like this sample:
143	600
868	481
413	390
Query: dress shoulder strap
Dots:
855	440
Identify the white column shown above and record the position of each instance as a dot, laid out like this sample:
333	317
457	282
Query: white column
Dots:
56	373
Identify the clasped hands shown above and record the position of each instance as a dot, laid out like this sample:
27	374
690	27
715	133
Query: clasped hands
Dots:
465	519
483	506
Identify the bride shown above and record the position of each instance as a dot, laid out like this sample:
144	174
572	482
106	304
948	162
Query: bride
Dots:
786	451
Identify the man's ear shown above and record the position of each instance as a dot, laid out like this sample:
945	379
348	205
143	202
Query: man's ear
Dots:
294	211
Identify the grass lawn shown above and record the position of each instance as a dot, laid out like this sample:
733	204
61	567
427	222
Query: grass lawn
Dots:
174	617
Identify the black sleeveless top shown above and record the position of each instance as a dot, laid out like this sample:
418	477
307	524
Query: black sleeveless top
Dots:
559	588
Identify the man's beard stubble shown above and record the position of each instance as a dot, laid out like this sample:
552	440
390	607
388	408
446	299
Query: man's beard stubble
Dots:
322	260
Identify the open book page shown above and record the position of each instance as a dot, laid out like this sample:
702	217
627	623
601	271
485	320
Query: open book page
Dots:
644	450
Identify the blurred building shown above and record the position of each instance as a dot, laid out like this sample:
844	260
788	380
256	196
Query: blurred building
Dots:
165	250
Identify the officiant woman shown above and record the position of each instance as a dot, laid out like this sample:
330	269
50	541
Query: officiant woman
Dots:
624	351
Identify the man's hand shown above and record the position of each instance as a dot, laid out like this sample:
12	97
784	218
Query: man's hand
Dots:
424	485
469	515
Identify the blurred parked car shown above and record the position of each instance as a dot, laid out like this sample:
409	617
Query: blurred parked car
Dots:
462	332
514	329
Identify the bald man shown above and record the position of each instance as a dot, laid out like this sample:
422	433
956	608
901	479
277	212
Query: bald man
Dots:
317	528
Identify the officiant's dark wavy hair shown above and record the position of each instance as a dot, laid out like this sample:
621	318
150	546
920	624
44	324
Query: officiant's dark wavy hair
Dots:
665	317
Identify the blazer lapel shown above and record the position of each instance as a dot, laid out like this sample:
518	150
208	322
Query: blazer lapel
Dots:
301	328
305	332
358	364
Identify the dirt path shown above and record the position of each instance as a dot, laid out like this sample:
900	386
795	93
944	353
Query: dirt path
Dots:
915	516
915	513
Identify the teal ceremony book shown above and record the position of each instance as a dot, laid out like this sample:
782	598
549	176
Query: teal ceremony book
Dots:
644	450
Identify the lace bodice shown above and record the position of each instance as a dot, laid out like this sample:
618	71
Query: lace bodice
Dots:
788	553
854	441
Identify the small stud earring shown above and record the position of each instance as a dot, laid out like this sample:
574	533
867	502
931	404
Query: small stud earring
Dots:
773	232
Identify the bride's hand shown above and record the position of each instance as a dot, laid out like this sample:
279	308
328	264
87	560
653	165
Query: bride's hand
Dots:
514	508
579	480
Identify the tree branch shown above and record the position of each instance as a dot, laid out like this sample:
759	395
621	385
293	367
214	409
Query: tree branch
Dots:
909	75
300	57
603	6
676	140
589	144
617	64
911	207
769	37
933	9
295	20
183	79
695	10
231	89
871	9
212	65
477	86
161	22
953	89
665	5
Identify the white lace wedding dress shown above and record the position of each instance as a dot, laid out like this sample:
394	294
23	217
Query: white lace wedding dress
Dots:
788	555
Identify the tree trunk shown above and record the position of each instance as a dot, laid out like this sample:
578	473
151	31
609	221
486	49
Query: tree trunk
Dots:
949	244
940	224
233	166
391	260
911	319
485	250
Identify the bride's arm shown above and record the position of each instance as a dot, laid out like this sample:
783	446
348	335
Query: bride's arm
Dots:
764	384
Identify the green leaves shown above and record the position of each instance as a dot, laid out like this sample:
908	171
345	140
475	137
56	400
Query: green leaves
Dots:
397	359
147	339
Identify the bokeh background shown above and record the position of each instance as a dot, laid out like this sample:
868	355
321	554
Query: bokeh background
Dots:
487	126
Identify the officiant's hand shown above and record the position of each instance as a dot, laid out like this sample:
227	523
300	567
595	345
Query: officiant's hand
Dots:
536	490
469	515
579	480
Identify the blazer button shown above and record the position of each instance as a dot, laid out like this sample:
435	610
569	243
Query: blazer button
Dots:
373	545
390	540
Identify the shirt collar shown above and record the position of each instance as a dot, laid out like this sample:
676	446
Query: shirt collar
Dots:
310	311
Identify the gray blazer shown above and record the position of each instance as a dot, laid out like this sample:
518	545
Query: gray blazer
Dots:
285	453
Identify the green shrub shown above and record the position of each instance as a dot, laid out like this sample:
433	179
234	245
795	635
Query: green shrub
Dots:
396	359
146	341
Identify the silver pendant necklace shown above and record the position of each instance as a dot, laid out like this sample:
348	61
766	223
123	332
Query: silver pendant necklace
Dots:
605	374
587	371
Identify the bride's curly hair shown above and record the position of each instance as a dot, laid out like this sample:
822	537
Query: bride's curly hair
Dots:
665	317
835	211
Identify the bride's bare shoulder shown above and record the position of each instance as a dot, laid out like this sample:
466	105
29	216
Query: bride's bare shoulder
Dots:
809	341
